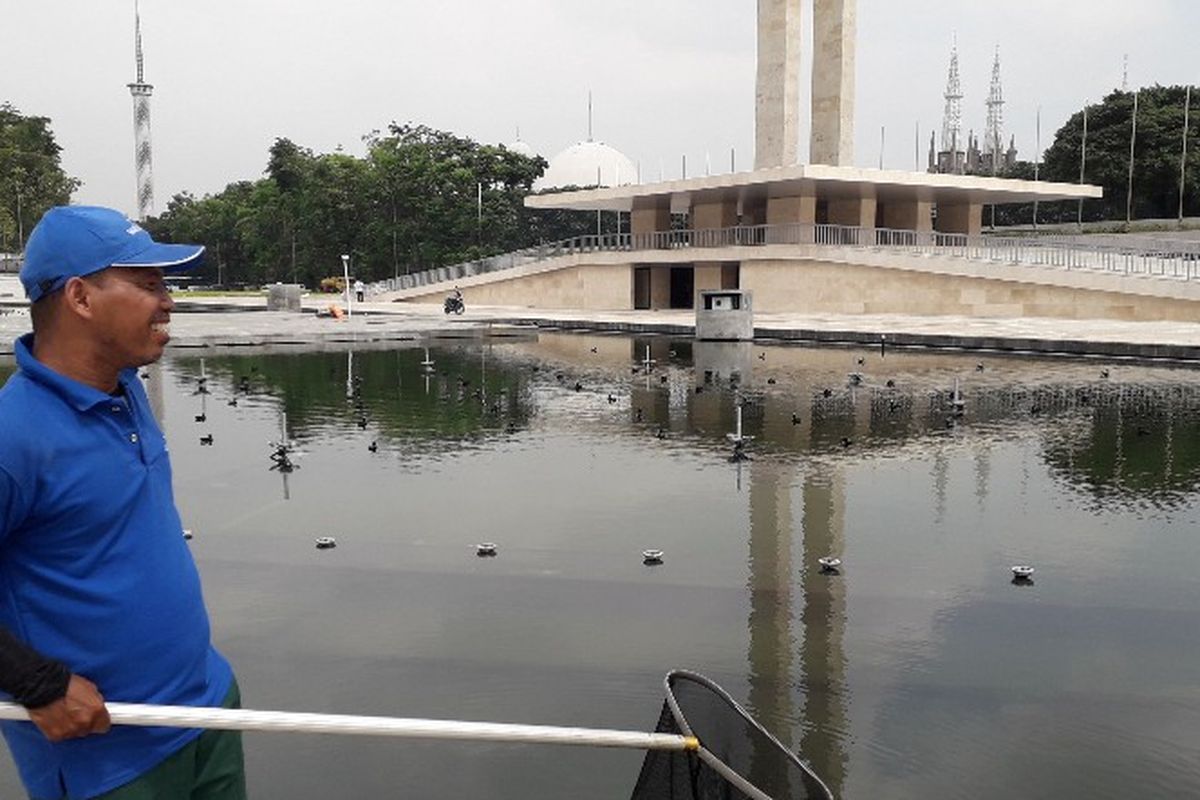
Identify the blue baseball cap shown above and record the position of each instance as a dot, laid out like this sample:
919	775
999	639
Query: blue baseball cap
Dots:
73	241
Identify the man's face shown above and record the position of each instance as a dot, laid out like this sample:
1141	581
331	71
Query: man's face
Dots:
131	314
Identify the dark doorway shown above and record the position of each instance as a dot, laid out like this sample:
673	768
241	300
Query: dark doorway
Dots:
641	288
683	287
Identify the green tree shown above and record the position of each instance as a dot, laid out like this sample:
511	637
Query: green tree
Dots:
421	198
31	177
1156	156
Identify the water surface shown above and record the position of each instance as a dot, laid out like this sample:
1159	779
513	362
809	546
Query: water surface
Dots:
919	671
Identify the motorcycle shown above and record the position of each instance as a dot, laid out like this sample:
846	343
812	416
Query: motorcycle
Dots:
454	304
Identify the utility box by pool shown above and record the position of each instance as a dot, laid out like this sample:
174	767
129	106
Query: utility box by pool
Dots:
284	297
726	315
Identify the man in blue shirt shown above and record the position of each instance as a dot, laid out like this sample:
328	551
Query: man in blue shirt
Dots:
99	595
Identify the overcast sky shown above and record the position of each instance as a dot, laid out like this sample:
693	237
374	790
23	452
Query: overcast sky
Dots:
670	77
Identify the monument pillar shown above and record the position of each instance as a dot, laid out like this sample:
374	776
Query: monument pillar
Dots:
777	94
834	32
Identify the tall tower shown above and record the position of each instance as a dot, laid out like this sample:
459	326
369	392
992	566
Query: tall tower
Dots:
835	25
141	92
952	118
777	92
994	133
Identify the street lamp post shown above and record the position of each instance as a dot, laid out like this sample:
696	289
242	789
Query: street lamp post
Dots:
346	279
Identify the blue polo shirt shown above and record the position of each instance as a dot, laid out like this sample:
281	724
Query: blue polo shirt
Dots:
95	572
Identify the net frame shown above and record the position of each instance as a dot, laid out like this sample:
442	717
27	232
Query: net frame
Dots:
709	758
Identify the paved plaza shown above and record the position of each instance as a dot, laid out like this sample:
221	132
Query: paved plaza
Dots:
242	321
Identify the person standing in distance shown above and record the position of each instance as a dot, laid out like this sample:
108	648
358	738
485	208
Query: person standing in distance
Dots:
359	290
99	596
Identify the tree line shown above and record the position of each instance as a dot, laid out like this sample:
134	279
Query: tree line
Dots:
423	198
32	179
420	198
1103	159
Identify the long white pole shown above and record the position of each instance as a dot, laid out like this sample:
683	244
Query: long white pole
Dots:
346	280
1187	108
917	149
1083	161
1037	163
229	719
1132	146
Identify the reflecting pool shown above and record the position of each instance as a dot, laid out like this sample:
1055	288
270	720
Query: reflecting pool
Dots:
919	670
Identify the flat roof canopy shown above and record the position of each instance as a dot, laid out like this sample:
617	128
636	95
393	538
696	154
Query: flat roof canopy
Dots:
826	182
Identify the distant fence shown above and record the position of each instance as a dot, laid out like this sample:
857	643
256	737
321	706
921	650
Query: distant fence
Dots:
1145	257
10	263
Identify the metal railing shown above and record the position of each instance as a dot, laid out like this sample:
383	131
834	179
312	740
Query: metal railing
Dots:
1145	257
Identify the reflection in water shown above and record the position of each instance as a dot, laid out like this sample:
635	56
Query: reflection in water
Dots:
983	470
941	480
1123	437
823	618
1130	443
945	673
771	643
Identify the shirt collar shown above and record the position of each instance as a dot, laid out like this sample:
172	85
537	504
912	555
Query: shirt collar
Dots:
79	395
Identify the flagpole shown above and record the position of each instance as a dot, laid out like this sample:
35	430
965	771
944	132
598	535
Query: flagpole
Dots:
1187	108
1132	146
917	149
1037	163
1083	161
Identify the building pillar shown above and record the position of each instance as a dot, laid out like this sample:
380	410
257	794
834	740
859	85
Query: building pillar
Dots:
650	215
707	277
834	31
660	287
777	93
961	218
713	214
754	211
854	212
797	211
903	216
915	215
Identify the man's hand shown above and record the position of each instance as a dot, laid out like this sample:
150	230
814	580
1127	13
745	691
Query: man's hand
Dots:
80	712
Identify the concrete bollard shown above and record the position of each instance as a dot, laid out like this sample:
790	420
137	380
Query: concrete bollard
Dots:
726	315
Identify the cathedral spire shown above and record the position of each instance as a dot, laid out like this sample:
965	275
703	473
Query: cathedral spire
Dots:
994	134
952	118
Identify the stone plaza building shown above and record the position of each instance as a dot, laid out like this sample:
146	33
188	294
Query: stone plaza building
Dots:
825	236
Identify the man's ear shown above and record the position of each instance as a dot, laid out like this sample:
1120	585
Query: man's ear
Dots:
77	297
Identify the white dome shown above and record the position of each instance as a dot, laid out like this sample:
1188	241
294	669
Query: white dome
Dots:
588	164
521	148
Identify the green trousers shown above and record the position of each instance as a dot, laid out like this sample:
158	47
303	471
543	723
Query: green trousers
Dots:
207	768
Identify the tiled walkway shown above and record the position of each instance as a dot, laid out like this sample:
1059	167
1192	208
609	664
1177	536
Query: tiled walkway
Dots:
217	321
